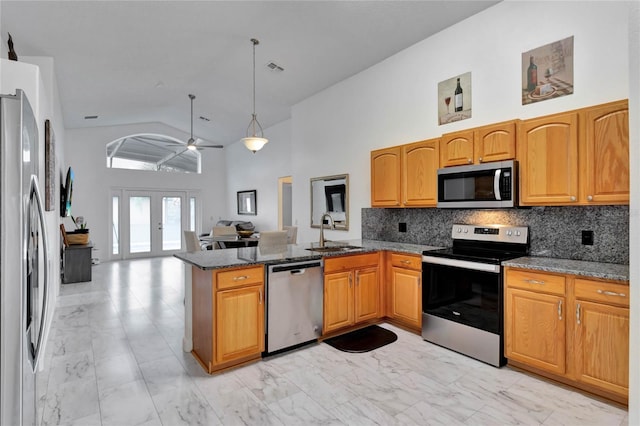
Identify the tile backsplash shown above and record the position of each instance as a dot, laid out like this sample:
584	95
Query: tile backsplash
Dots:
553	231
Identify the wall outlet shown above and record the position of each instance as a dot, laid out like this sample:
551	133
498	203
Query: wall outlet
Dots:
402	227
587	238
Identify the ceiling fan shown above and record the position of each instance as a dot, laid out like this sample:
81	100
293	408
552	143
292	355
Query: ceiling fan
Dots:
192	144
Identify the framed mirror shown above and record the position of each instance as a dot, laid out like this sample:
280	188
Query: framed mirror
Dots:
247	203
330	194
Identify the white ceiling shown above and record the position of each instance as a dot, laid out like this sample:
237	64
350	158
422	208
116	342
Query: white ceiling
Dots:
136	61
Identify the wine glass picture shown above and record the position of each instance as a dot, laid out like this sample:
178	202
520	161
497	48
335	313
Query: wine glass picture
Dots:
454	99
447	101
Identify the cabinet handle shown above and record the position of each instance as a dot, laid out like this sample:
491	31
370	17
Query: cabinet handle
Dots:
560	310
357	278
469	160
573	198
589	198
480	159
350	280
240	278
405	262
260	300
534	282
610	293
578	313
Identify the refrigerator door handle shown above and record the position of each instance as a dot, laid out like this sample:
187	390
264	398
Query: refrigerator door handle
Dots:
35	194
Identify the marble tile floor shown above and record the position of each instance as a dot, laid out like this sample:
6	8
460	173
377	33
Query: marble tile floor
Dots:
114	357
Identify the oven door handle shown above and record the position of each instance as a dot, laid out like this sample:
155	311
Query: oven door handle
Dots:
465	264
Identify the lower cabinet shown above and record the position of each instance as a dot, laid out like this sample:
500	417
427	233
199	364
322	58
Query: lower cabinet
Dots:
576	329
405	289
228	316
351	291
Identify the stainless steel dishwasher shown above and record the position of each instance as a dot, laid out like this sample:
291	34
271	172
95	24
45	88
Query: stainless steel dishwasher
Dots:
294	304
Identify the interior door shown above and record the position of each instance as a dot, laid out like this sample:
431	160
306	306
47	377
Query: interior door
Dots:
154	223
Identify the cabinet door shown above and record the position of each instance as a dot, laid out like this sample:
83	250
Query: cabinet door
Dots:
239	323
605	152
602	346
338	301
406	296
535	329
496	142
385	177
456	149
420	177
367	294
548	154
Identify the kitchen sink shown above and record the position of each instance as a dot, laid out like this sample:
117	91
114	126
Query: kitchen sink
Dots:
329	249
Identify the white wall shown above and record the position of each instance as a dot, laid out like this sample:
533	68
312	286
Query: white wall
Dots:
395	102
260	171
85	152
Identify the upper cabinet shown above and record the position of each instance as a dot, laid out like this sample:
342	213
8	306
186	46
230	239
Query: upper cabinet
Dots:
495	142
578	157
456	149
420	162
604	151
385	177
548	155
405	175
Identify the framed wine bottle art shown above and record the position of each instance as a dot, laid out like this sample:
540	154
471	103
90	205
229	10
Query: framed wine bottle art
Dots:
454	99
547	71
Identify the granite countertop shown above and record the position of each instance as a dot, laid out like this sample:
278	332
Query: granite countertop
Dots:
608	271
216	259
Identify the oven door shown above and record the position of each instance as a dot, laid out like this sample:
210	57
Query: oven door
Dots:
465	292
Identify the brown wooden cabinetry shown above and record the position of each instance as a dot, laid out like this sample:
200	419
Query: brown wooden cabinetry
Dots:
228	316
404	294
578	157
604	153
405	175
573	328
351	291
495	142
385	177
548	155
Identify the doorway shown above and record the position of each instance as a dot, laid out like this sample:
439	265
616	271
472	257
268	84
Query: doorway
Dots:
285	202
149	223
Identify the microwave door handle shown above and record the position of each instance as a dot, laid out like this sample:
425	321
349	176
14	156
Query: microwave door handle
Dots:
496	184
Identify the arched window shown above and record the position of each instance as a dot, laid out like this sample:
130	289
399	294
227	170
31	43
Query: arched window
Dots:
153	152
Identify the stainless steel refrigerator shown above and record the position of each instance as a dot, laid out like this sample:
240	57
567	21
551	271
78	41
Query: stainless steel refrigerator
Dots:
23	263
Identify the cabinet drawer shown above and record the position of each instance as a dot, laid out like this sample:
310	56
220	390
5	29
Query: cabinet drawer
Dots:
536	281
239	277
345	263
607	292
406	261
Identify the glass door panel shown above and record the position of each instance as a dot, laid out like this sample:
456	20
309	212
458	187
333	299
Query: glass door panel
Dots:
171	225
139	224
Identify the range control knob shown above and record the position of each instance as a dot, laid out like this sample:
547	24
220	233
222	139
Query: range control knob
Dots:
509	232
517	233
459	230
466	230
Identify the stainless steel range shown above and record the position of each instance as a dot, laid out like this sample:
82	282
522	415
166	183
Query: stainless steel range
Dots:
462	294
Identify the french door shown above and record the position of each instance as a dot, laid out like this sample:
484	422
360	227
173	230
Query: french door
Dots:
152	223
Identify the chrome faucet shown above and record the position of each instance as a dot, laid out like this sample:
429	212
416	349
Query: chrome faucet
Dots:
327	215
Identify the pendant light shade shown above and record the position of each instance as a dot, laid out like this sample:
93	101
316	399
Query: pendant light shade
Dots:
255	139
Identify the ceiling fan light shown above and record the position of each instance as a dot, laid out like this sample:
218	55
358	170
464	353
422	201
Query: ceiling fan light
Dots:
191	147
254	143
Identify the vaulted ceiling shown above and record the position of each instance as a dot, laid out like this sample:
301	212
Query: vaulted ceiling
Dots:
137	61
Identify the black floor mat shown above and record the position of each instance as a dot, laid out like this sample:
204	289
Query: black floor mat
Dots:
363	340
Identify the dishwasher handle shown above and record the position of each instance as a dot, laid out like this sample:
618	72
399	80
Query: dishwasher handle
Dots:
296	268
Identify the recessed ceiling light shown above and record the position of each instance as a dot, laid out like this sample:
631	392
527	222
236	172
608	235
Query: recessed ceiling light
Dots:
90	117
274	67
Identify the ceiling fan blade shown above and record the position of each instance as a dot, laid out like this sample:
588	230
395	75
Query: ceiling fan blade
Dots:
209	146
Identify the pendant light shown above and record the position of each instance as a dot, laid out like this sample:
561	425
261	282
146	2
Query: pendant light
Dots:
254	142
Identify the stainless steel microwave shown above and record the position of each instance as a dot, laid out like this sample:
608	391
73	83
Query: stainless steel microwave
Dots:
488	185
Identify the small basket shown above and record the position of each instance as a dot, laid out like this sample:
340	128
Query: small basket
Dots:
78	238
